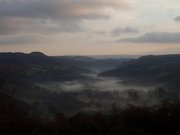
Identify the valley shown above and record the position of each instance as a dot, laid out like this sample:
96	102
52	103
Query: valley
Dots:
68	84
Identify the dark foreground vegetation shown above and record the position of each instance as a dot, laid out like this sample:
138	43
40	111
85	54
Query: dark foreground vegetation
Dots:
164	118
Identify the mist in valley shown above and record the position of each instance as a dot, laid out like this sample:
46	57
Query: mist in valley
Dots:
100	93
93	83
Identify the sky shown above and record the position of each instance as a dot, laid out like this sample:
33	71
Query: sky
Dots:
90	27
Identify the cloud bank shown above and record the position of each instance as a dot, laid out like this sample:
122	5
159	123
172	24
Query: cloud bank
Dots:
126	30
154	37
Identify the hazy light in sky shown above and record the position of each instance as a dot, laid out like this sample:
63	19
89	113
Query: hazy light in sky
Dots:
84	27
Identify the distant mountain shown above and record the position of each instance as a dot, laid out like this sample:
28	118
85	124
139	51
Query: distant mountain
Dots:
78	58
150	69
95	64
38	54
115	56
100	65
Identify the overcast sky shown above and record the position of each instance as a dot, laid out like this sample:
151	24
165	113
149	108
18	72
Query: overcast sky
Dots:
87	27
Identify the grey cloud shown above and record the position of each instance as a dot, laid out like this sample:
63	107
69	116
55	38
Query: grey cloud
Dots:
154	37
177	19
126	30
13	25
100	32
58	9
65	14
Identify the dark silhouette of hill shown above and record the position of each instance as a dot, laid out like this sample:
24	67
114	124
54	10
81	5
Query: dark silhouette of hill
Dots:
150	69
36	66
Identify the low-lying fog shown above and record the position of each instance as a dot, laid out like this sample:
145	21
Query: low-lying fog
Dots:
94	83
97	93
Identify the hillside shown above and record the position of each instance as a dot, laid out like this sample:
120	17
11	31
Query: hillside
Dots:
150	69
37	66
